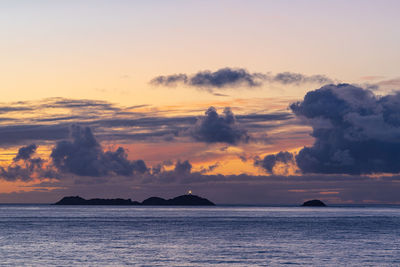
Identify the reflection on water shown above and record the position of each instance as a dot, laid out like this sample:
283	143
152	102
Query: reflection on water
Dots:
199	236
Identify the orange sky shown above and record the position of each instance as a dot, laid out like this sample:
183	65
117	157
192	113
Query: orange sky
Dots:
104	54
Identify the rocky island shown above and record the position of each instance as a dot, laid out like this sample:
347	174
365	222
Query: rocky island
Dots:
184	200
314	203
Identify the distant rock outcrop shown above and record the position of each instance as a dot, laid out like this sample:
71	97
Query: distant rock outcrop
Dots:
314	203
184	200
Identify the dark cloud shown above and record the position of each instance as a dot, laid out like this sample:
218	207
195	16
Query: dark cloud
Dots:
268	162
263	117
234	77
16	172
214	128
210	168
48	122
149	122
24	167
170	80
226	77
298	78
78	103
183	167
60	118
84	156
25	152
15	134
158	173
123	129
355	131
7	109
229	189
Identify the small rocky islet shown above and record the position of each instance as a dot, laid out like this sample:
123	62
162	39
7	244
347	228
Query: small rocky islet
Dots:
314	203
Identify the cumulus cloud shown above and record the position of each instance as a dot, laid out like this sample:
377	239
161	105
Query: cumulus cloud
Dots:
16	172
183	167
24	166
213	128
235	77
25	152
270	161
355	131
84	156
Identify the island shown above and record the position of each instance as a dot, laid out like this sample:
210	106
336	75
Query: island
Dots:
314	203
95	201
184	200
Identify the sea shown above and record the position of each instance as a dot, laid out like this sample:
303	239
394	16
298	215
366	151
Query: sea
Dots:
47	235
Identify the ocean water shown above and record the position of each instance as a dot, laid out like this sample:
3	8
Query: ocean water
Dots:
45	235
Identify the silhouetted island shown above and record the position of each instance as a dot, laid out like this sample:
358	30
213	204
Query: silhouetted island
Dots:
184	200
95	201
314	203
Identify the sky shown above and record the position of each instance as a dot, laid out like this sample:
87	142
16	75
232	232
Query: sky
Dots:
242	102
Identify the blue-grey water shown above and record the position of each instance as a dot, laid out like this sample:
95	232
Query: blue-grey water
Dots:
43	235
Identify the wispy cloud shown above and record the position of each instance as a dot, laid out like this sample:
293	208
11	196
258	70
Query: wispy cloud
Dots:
50	119
236	77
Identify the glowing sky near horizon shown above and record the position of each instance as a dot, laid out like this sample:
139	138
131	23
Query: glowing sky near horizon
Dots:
110	51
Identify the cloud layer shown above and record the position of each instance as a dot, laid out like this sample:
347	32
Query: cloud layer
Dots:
46	122
110	168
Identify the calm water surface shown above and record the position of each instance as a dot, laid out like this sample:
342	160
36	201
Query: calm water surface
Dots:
43	235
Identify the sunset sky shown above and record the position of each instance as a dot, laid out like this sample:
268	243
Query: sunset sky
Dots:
242	102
